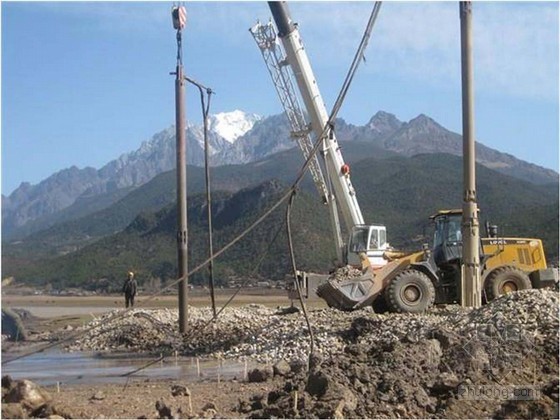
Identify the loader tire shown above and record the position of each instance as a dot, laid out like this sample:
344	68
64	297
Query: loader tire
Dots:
379	305
410	291
505	280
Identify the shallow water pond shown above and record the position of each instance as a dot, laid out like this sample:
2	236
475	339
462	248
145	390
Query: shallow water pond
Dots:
55	366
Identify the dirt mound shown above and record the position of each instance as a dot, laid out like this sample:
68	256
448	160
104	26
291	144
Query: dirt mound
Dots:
500	360
497	361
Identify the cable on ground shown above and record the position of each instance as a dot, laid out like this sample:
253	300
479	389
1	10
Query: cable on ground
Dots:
298	286
286	196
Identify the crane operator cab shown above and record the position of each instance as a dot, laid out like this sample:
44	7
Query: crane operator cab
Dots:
368	239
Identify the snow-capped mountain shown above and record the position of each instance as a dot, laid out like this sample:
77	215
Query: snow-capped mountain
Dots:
235	138
232	125
154	156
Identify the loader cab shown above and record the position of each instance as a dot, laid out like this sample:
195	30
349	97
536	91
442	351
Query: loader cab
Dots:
370	239
448	242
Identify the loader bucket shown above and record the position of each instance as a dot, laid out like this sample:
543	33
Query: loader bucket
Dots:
359	292
347	295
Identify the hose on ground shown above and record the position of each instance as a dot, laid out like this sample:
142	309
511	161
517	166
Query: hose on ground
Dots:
296	281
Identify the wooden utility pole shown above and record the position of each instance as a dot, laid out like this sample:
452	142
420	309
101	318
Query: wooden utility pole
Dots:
471	290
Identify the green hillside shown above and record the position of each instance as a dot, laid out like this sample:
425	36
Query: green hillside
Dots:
148	246
397	191
68	236
403	192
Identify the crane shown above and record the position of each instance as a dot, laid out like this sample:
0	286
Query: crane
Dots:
403	282
286	60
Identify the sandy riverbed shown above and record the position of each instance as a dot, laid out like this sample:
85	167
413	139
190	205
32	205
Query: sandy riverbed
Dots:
139	395
365	365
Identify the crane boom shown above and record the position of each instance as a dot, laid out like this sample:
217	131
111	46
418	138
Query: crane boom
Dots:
297	58
265	37
276	63
364	239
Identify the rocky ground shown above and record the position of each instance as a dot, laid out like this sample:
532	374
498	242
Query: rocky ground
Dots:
500	360
145	399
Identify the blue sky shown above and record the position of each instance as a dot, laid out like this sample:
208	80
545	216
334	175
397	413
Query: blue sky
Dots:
85	82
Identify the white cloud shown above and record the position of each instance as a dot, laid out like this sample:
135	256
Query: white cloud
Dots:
515	45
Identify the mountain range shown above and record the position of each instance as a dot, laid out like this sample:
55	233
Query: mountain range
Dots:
122	216
234	138
138	231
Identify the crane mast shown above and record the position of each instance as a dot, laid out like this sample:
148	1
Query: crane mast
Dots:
276	63
297	58
372	239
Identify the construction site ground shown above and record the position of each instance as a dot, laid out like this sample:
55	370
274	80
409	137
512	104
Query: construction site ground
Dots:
497	361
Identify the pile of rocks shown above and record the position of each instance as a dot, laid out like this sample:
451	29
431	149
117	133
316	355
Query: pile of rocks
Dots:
258	332
530	315
439	364
134	330
253	331
23	399
344	273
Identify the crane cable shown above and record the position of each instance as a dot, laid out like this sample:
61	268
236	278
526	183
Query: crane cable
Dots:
205	112
358	57
329	127
287	195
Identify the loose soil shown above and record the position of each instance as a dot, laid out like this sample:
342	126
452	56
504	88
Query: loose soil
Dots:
139	399
430	365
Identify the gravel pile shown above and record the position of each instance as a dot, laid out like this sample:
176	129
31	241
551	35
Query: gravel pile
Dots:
439	364
252	331
532	314
260	333
344	273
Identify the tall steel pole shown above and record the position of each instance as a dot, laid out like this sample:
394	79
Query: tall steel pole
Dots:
471	286
179	19
209	204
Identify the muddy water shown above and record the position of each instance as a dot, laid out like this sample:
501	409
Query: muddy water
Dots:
45	311
59	367
56	366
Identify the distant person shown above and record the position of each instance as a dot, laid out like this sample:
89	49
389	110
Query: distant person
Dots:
129	290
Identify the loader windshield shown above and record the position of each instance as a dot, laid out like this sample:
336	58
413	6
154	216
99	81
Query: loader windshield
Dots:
368	238
438	233
454	230
448	241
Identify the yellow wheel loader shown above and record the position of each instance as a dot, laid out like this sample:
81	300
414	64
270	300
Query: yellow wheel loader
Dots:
407	283
414	282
